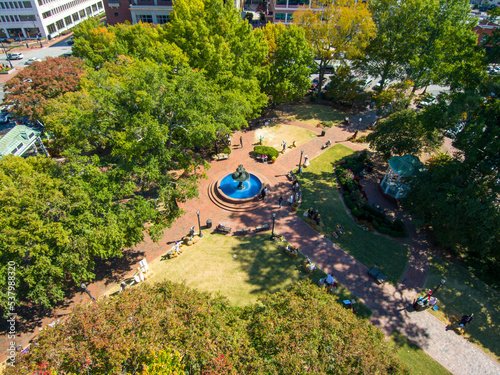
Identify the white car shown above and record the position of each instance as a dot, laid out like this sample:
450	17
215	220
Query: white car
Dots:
15	56
5	117
32	60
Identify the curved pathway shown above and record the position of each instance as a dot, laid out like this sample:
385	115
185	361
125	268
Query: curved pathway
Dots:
389	303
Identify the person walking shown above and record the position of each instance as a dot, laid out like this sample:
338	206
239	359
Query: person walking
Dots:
241	141
284	147
280	201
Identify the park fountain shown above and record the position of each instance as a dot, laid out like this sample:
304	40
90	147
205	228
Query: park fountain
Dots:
240	186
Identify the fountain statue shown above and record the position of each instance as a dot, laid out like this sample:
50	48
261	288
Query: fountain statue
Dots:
240	175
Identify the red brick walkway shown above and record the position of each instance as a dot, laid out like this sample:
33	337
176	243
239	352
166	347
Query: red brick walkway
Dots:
389	304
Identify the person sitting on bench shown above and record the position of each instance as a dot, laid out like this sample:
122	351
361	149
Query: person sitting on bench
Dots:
330	281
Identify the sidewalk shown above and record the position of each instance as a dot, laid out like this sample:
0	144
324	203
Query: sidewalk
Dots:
389	303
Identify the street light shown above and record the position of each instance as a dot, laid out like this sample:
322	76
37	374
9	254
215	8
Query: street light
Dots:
272	230
432	292
199	225
300	161
359	123
84	287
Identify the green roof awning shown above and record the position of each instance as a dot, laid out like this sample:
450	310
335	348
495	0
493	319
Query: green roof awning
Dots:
406	165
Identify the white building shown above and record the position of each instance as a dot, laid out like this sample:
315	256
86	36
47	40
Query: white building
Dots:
44	18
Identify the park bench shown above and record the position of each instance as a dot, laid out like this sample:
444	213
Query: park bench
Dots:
261	228
220	157
223	229
378	276
243	231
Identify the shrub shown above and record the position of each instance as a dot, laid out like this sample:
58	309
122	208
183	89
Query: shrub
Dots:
226	150
273	159
375	224
356	212
266	150
398	226
349	203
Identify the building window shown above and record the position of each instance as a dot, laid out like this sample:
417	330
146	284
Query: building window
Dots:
28	17
51	28
67	20
60	24
99	4
280	2
94	7
2	5
82	14
75	17
88	11
162	19
46	14
27	4
483	38
3	18
281	16
145	18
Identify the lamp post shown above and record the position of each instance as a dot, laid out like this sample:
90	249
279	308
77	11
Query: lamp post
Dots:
199	225
432	292
359	123
272	230
84	287
300	161
5	51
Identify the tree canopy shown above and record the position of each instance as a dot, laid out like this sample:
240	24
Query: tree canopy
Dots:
336	29
403	133
425	41
303	329
290	59
218	42
33	86
57	220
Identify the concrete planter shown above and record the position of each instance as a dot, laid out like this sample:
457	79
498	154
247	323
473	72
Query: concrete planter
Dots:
8	71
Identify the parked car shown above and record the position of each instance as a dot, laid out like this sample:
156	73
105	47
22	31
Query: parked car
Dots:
315	82
364	83
70	42
15	56
427	100
5	117
32	60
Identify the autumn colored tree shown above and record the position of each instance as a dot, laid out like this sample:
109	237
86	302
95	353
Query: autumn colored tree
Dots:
33	86
336	29
97	44
290	59
57	220
303	329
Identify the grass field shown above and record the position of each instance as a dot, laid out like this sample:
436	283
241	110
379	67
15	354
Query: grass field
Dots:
274	135
319	191
310	113
417	361
239	268
462	294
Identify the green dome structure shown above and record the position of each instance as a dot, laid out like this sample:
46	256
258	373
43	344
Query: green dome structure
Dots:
399	168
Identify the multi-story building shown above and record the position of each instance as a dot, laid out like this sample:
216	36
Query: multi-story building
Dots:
282	10
44	18
147	11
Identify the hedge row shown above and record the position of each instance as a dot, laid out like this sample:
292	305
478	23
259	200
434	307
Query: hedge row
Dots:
266	150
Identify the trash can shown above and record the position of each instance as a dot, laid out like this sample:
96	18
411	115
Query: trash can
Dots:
209	223
323	132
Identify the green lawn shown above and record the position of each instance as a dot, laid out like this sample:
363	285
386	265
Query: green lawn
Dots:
239	268
462	294
319	191
415	359
311	113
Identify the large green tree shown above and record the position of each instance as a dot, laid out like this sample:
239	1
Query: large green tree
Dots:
336	29
290	59
143	119
57	220
403	133
461	207
97	44
42	81
290	332
426	41
218	42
